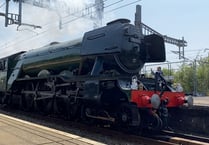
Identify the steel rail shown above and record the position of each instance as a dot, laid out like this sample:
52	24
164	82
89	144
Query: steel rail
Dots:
89	131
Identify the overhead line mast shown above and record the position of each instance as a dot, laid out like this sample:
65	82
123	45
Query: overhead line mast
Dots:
180	43
98	5
146	30
12	18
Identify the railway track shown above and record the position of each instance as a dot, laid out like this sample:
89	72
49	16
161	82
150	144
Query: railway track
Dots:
100	134
179	138
185	138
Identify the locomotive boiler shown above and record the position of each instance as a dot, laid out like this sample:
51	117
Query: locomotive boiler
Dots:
81	79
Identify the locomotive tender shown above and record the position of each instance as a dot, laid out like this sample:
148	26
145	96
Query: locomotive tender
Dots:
82	79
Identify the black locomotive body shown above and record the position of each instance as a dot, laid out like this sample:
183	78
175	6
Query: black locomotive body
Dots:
82	79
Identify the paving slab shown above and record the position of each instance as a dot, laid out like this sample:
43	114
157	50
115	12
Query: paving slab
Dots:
201	101
15	131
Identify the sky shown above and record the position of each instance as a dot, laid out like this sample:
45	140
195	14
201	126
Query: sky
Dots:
176	18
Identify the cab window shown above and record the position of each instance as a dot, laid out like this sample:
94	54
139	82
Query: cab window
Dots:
2	65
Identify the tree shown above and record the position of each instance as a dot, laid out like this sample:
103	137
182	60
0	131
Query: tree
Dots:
168	72
185	76
203	76
194	78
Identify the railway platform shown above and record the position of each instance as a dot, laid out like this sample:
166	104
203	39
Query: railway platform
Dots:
192	119
201	101
15	131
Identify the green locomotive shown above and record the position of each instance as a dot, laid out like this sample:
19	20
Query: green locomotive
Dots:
82	78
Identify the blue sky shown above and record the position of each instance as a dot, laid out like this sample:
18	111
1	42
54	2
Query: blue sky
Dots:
176	18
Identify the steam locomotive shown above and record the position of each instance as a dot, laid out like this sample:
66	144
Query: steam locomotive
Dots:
84	79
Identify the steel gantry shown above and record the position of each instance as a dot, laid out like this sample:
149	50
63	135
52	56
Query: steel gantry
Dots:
146	30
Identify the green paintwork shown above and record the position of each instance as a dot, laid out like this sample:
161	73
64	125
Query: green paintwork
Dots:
54	58
3	80
9	67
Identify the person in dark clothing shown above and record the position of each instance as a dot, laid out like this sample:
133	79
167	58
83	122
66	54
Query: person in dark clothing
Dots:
159	71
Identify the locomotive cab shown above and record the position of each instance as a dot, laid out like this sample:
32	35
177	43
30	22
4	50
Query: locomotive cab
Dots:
3	74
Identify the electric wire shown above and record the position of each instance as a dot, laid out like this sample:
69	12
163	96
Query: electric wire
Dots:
2	5
49	23
92	12
69	21
122	6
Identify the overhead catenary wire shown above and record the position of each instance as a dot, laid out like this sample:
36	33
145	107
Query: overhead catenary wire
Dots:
2	5
9	45
93	12
62	24
125	5
80	11
49	23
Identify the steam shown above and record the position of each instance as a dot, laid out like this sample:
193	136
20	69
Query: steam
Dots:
73	26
